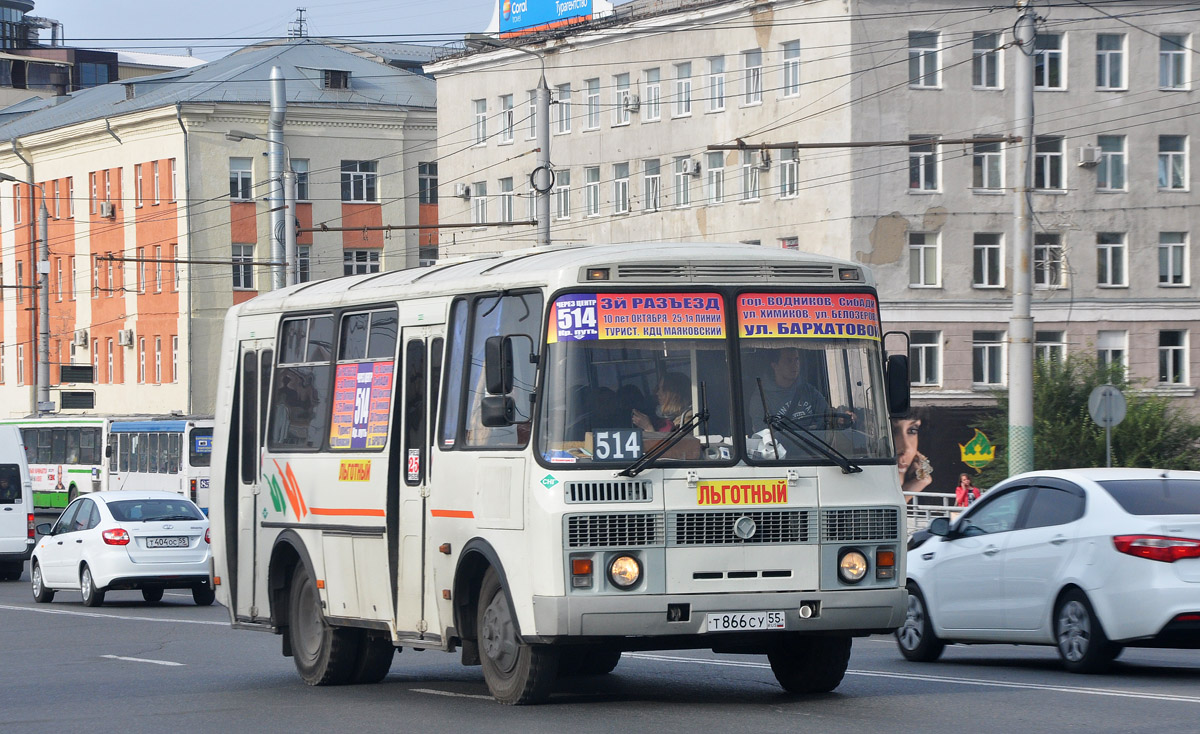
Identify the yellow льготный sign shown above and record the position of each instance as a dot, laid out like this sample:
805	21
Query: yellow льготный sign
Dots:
742	492
354	470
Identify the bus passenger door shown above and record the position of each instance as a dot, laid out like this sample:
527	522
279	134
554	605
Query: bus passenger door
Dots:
254	379
420	360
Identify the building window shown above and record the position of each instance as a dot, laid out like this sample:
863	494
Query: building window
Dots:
987	166
620	100
1049	347
987	357
1110	61
1110	174
174	359
91	202
300	169
141	271
359	181
92	74
243	267
141	377
652	104
303	263
158	360
20	364
985	61
427	183
241	177
158	263
791	69
137	185
750	188
789	174
1172	258
1172	357
620	188
506	200
531	114
173	188
683	89
789	243
564	108
175	267
1172	61
359	262
1048	162
21	281
592	103
923	260
480	121
95	277
716	84
1111	349
924	358
479	202
1172	162
1048	68
507	118
1110	259
95	361
70	196
652	184
157	194
591	191
988	261
1048	266
58	279
70	279
683	181
110	361
922	165
562	195
716	177
752	79
923	59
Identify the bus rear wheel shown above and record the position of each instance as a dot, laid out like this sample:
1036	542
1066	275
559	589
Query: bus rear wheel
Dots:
516	673
810	664
324	655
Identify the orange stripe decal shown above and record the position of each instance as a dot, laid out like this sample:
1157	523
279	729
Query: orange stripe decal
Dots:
452	513
345	511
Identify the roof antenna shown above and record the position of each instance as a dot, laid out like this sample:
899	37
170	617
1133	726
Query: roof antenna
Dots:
299	27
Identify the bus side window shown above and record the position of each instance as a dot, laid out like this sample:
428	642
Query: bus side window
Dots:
155	452
301	387
435	382
249	418
89	446
29	436
73	445
58	446
414	411
144	450
113	439
264	393
455	360
504	316
123	450
175	458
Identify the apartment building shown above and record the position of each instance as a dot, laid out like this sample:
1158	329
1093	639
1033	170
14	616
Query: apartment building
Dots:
158	221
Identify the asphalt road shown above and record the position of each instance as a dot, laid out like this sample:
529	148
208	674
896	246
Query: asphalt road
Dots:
172	667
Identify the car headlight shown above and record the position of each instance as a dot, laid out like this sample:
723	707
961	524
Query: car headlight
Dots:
852	566
624	571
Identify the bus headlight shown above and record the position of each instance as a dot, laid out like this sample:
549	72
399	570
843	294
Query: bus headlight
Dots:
852	566
624	571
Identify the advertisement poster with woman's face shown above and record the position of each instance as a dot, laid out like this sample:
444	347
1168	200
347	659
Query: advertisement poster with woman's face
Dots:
935	446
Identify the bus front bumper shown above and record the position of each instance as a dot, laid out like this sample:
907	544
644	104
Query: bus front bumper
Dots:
866	611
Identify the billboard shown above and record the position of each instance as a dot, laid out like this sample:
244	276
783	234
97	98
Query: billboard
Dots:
525	16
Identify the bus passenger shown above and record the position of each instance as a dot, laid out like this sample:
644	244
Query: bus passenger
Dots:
674	393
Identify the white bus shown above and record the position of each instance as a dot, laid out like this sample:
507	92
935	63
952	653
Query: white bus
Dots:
169	454
548	457
65	455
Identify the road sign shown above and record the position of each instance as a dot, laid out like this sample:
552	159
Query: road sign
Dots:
1106	405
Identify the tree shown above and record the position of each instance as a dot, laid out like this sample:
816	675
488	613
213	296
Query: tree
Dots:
1154	433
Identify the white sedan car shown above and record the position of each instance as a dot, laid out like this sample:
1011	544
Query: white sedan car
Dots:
1088	560
124	540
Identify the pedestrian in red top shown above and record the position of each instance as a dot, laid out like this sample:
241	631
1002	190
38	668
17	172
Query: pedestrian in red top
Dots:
965	493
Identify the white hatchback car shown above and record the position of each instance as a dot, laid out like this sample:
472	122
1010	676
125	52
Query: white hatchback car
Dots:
124	540
1088	560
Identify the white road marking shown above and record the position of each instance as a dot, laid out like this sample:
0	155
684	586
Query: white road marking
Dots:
433	692
48	610
142	660
1116	693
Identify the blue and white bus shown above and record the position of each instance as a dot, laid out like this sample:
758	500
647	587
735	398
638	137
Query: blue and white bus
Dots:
171	455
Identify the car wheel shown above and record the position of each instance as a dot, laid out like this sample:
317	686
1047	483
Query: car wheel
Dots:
324	655
810	664
375	655
92	597
1082	644
915	637
152	594
516	673
203	595
41	594
587	660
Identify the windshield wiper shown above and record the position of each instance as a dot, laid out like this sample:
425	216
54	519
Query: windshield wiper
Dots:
671	439
805	436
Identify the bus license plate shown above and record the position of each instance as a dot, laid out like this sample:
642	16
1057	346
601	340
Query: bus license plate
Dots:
742	621
174	541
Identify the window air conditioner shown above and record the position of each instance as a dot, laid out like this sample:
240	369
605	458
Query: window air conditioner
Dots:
81	339
1089	155
691	167
107	210
125	337
632	103
764	160
462	191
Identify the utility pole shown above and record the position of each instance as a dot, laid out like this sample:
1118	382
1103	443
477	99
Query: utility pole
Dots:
43	369
1020	329
275	170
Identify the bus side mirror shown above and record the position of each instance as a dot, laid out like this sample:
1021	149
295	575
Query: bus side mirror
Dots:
498	365
898	390
108	451
497	410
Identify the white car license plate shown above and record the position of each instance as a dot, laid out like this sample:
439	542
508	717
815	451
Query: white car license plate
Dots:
173	541
741	621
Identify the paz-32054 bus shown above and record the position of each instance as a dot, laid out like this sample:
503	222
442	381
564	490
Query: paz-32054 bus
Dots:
548	457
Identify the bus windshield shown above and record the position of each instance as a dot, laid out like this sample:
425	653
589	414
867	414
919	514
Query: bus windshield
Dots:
624	370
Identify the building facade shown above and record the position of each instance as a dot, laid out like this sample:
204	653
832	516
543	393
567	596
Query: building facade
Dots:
157	220
641	95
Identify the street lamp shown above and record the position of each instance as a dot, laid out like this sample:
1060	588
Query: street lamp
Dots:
542	178
288	274
42	377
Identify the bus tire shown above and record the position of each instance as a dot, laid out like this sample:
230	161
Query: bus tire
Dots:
324	655
41	593
587	660
375	655
516	673
810	664
92	597
72	493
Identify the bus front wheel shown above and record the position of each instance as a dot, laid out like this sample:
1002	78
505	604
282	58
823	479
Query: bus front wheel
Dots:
324	655
810	664
516	673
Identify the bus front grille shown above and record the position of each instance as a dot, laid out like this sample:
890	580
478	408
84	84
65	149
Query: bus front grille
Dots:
720	528
608	491
619	530
875	523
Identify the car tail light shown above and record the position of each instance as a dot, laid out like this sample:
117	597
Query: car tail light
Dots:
1187	617
116	536
1157	547
206	540
32	524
